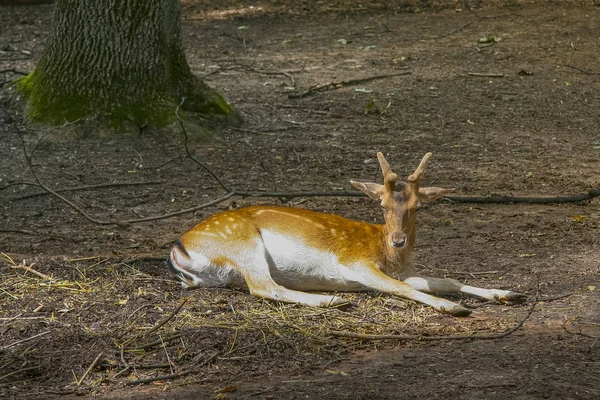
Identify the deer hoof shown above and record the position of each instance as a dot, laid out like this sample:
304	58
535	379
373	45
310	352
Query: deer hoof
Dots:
337	302
513	298
458	311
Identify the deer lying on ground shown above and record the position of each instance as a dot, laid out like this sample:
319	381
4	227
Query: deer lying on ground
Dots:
280	253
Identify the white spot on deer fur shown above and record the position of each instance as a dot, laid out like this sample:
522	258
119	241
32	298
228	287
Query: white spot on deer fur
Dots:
230	219
228	230
210	234
333	232
216	222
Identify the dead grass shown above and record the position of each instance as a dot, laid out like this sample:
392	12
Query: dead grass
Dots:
82	324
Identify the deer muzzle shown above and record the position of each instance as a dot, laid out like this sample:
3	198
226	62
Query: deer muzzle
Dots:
398	239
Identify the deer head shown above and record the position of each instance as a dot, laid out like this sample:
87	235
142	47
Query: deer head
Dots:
400	201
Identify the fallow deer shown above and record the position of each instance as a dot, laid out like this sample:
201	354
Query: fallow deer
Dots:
280	253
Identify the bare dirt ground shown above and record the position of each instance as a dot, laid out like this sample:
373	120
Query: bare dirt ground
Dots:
505	96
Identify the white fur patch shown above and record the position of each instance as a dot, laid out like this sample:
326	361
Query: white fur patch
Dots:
301	267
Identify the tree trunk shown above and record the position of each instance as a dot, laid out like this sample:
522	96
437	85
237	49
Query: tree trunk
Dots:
121	60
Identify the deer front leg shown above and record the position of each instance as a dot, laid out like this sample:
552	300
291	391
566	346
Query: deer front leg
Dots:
373	278
446	285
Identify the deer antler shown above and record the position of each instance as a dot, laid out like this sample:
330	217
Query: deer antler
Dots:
414	181
389	177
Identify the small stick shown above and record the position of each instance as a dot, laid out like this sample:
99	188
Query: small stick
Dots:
89	369
472	273
500	199
450	33
581	70
434	338
552	298
187	150
159	342
173	376
16	372
341	84
167	354
168	318
87	187
25	340
485	75
157	326
33	271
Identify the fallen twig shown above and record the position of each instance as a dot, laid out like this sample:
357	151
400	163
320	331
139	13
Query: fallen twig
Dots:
421	338
580	69
173	376
497	199
564	326
341	84
89	369
168	318
16	372
189	155
450	33
158	342
159	324
25	340
539	300
500	199
485	75
86	187
553	298
28	268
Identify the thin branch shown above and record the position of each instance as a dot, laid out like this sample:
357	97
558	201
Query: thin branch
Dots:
158	342
500	199
161	323
175	213
558	297
180	374
86	187
33	271
421	338
89	369
16	372
485	75
580	70
341	84
450	33
187	150
168	318
293	195
25	340
46	188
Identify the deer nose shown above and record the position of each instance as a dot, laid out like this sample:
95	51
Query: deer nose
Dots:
398	239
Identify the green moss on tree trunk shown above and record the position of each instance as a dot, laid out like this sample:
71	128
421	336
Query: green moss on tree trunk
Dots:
122	60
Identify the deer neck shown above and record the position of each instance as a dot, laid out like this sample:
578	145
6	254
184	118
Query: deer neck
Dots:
396	260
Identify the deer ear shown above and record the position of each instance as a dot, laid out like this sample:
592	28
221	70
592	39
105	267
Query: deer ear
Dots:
373	190
433	193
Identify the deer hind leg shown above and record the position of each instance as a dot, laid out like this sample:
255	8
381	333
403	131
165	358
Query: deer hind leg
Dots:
446	285
255	268
373	278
